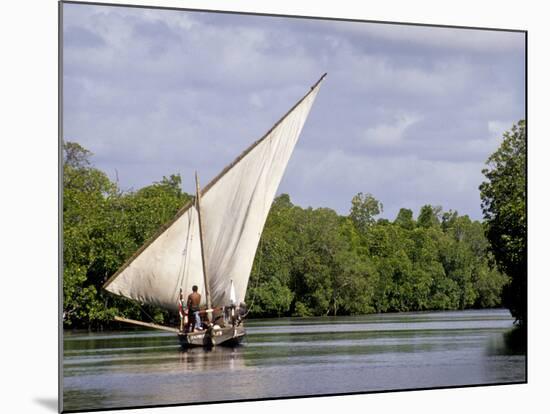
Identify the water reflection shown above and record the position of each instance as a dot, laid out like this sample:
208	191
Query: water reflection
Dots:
285	357
510	342
227	359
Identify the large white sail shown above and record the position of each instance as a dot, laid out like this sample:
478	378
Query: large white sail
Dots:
234	208
172	261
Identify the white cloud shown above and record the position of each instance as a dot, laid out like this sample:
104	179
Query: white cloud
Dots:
373	73
407	113
389	134
397	182
497	128
455	39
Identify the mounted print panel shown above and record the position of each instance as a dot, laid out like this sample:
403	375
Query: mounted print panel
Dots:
263	207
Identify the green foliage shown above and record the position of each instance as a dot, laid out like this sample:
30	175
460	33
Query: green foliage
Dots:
405	219
439	262
429	216
102	227
503	201
341	265
309	261
364	207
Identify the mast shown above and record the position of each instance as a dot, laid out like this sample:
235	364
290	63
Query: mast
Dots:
206	284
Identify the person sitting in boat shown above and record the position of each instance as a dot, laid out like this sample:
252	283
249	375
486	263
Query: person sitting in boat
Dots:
193	302
241	312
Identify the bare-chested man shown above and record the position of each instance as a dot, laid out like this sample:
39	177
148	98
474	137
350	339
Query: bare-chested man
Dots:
193	302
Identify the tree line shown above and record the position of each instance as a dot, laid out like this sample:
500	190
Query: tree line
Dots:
316	262
309	261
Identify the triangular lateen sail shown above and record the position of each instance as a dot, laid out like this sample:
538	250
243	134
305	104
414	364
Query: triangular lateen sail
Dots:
170	262
234	207
234	210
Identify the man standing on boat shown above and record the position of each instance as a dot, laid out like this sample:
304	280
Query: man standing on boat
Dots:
193	302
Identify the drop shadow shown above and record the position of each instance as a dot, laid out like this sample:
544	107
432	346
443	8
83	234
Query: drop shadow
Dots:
49	403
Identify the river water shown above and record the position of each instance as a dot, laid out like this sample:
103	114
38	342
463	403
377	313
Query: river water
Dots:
292	357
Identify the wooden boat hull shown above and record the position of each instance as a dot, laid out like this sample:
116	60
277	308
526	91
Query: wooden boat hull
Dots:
227	336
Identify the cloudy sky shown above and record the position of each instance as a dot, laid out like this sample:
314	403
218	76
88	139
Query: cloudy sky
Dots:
406	113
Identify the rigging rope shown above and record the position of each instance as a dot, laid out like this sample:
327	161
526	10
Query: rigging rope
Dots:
143	310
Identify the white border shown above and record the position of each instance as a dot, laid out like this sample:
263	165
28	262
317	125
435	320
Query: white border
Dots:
29	203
